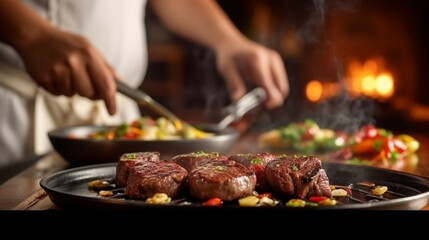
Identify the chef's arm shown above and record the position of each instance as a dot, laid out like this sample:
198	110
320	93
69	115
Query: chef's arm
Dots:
60	62
237	58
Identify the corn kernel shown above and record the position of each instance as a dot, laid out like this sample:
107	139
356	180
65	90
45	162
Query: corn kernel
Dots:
105	193
339	192
379	190
159	198
248	201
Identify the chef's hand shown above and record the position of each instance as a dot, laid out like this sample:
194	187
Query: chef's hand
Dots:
245	60
68	64
60	62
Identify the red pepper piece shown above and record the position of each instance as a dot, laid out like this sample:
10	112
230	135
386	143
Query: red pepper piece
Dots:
213	202
317	199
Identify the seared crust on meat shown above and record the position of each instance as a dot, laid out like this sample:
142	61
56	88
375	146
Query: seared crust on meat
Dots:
298	176
191	160
247	159
151	177
225	179
129	160
256	162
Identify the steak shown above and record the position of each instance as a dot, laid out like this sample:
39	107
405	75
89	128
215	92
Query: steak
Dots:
256	163
191	160
152	177
129	160
225	179
298	176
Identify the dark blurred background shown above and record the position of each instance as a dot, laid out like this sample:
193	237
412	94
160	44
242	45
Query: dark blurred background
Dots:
348	62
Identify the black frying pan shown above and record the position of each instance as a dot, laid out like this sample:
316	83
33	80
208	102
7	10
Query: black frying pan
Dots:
84	151
69	189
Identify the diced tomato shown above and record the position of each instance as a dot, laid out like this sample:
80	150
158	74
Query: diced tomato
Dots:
400	146
310	131
136	124
317	199
149	121
267	194
213	202
368	146
348	190
130	135
366	132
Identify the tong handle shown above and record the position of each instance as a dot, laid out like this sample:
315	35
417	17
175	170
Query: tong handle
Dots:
145	100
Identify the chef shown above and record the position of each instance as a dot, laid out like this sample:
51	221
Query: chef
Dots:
59	59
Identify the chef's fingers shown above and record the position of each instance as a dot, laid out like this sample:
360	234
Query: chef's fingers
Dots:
262	75
103	81
80	78
278	72
61	79
234	83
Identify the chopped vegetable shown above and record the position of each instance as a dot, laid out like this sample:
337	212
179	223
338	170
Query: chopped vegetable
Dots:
368	145
317	199
213	202
146	128
249	201
159	198
328	202
339	192
262	195
379	190
104	193
98	184
266	201
296	203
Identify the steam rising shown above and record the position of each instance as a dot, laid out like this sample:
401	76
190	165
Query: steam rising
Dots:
341	112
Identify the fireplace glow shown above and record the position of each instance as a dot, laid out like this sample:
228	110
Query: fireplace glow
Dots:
370	79
314	91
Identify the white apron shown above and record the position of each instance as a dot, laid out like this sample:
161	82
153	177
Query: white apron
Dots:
116	28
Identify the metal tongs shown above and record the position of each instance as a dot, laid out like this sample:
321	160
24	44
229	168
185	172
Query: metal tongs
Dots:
232	112
237	109
145	100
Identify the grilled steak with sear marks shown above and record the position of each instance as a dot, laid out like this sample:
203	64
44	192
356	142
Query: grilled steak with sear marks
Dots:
129	160
298	176
191	160
225	179
152	177
256	162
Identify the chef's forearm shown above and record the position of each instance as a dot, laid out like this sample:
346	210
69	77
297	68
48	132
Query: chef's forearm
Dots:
20	25
202	21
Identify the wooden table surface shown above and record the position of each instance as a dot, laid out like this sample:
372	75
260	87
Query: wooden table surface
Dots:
23	192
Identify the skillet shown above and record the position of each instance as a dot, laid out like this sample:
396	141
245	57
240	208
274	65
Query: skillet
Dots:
69	189
80	150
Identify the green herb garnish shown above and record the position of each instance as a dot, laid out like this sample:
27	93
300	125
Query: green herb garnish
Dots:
377	145
256	161
219	168
131	155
